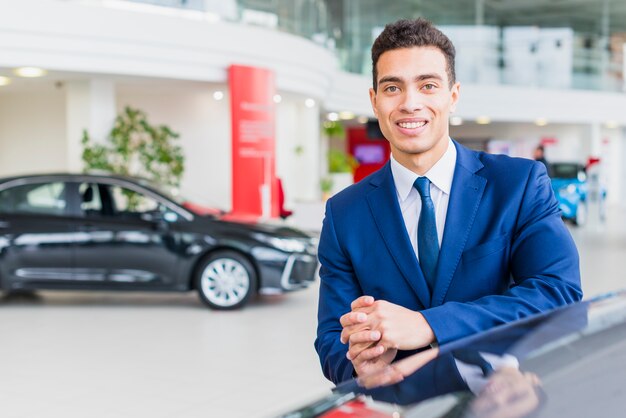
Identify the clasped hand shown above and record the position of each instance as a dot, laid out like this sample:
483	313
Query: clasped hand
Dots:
376	330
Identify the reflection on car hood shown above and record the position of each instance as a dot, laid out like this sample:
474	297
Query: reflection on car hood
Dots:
567	362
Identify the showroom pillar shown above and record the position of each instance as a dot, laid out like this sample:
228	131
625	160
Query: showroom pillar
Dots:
298	149
595	143
90	106
309	171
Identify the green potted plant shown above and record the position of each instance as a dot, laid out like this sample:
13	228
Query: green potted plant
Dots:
326	185
136	148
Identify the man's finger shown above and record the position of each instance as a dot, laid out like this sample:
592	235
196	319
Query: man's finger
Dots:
356	349
368	354
351	329
364	337
362	302
352	318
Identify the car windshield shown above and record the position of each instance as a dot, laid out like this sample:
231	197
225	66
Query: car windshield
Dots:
565	170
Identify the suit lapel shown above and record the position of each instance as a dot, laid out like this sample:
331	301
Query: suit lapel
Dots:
383	203
465	196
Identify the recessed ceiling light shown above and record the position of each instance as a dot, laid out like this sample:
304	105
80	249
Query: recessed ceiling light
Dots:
278	98
362	119
4	80
30	72
346	115
483	120
456	121
332	116
541	122
218	95
611	124
309	103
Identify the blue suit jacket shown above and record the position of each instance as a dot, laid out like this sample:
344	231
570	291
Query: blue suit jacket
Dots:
505	253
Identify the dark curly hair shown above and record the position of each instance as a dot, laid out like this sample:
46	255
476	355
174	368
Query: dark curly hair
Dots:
407	33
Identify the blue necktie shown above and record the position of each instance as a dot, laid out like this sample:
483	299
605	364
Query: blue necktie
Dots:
427	241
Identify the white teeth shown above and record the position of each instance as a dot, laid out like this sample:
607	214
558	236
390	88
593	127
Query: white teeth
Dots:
412	125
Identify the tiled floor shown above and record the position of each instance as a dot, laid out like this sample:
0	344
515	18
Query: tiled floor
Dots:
144	355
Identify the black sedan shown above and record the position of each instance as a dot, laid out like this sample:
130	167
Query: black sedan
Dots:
100	232
569	362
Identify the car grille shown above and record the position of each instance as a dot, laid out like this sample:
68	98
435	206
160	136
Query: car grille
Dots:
303	270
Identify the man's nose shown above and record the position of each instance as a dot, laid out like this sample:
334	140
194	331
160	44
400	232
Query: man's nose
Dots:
412	101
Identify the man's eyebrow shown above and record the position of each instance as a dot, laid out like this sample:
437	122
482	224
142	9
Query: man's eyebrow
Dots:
423	77
390	79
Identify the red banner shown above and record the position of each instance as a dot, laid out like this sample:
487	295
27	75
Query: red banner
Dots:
254	185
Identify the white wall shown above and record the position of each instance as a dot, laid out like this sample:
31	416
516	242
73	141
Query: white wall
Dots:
612	155
297	126
204	127
32	132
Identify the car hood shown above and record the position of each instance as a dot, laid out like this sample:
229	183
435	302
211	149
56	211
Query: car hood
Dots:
570	359
275	228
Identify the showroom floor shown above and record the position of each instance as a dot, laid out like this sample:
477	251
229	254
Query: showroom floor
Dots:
145	355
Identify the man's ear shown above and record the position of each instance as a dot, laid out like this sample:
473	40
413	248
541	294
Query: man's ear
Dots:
455	92
373	101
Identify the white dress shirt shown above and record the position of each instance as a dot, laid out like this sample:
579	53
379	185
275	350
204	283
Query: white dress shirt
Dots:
440	176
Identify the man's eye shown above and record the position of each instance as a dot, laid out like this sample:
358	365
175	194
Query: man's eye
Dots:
429	86
391	89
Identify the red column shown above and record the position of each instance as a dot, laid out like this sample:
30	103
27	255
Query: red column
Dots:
254	191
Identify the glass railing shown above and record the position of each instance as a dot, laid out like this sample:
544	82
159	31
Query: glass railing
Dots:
515	55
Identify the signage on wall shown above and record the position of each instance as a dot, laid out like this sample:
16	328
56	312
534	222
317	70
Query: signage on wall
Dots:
254	184
549	141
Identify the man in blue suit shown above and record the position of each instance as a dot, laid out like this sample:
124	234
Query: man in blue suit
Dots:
442	242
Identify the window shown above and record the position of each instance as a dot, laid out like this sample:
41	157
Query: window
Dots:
131	202
39	198
113	201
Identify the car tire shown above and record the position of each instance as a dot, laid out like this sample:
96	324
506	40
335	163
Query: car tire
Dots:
225	280
581	214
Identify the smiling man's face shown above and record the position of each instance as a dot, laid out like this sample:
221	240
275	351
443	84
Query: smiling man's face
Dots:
412	102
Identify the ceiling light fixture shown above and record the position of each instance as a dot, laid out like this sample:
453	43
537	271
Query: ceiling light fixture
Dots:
483	120
4	81
218	95
30	72
278	98
332	116
309	103
541	122
346	115
362	119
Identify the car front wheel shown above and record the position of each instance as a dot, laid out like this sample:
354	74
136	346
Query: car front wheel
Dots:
225	280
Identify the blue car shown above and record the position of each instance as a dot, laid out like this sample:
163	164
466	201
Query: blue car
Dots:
569	182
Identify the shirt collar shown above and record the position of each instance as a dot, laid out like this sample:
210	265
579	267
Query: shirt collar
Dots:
440	174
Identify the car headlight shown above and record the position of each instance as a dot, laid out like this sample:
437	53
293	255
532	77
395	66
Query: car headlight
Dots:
289	245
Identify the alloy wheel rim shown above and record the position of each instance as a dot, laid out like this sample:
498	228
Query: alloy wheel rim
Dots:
225	282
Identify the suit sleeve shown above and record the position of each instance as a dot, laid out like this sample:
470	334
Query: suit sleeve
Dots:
544	269
338	288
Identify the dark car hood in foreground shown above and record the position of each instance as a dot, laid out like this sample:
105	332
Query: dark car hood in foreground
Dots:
570	362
